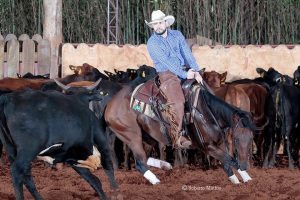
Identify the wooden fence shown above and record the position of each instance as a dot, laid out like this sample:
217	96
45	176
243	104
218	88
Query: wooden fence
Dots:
22	55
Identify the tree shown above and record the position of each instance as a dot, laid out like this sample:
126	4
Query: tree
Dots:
53	31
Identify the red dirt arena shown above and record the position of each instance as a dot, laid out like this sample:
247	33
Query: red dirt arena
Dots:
189	182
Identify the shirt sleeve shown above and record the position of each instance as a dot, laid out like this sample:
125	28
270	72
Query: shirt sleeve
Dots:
187	53
159	56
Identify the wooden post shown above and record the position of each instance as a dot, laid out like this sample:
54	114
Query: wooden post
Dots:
53	31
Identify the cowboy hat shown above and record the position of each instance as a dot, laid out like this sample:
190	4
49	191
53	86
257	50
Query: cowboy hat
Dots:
159	16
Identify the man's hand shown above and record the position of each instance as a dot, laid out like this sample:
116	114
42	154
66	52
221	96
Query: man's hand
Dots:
190	74
198	78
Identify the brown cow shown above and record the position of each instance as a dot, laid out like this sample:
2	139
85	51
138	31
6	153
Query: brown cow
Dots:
85	72
257	95
13	84
229	93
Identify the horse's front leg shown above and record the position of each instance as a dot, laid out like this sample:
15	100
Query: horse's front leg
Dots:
226	160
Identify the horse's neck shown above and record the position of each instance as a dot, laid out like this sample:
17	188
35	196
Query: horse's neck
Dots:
209	106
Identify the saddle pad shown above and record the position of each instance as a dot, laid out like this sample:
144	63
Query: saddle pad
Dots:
140	106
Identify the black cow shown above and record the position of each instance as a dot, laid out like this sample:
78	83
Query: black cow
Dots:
284	112
144	73
55	128
267	79
31	76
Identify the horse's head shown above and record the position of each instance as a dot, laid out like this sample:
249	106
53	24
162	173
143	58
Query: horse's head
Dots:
242	137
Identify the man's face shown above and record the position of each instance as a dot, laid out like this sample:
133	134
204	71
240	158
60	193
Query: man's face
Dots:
160	27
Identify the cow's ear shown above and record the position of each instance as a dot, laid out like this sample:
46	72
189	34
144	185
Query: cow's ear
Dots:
72	67
19	75
298	68
109	74
261	71
223	77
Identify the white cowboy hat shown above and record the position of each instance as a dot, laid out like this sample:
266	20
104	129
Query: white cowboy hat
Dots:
159	16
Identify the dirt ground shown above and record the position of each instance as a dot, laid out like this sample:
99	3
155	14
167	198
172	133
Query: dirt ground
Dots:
180	183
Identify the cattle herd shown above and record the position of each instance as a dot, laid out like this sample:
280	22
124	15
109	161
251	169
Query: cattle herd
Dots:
74	120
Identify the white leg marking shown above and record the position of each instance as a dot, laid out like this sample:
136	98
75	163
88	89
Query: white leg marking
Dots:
245	176
151	177
158	163
234	179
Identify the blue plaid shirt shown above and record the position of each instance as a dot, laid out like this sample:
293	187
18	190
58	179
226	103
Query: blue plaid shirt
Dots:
171	53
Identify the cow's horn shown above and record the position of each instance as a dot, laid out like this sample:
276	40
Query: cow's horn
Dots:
91	87
64	87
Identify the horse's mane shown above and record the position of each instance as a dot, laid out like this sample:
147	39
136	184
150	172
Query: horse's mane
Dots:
226	112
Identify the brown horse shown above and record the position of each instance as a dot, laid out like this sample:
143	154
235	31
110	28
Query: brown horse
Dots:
206	131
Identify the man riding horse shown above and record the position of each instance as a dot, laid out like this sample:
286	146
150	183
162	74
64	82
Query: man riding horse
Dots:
171	55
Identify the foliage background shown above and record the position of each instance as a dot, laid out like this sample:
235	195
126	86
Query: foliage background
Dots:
224	21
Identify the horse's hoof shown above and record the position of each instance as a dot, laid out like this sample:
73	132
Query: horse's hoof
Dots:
151	177
165	165
233	179
245	176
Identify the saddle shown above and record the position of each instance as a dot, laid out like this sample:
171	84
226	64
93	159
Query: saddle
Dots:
149	91
148	99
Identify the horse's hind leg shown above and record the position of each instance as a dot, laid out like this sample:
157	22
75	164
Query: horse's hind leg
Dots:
127	156
92	180
141	166
111	139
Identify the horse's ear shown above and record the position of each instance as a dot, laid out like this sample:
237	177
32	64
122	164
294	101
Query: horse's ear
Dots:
204	75
223	77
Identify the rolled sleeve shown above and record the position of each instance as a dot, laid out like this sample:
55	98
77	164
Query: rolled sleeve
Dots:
187	53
